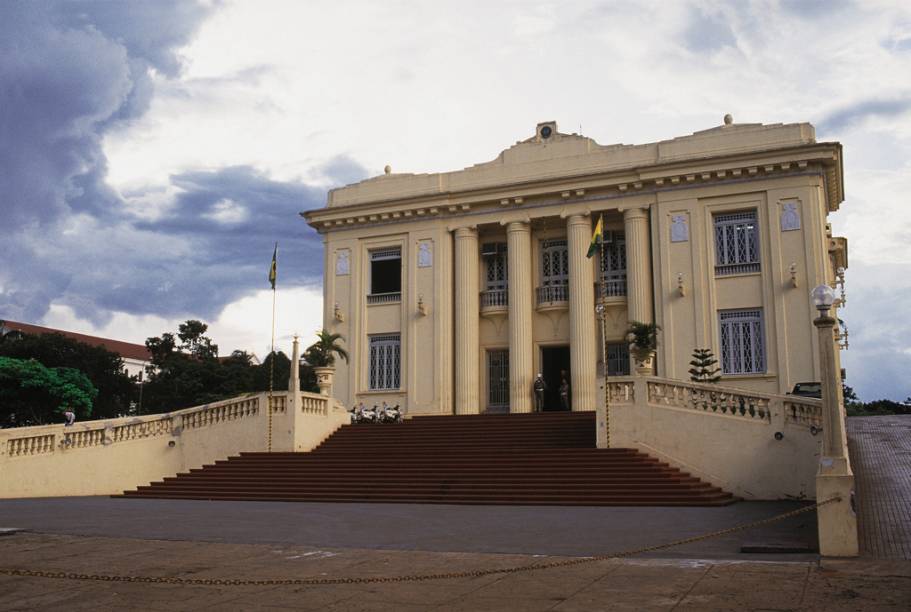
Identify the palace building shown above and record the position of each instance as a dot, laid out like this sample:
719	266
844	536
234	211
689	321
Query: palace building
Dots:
453	290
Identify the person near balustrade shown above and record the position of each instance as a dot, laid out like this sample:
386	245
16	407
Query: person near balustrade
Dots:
69	415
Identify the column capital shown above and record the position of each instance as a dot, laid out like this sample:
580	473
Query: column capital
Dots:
517	225
578	219
634	213
463	230
585	212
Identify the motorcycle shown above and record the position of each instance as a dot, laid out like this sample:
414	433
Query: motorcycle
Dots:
367	415
354	413
390	414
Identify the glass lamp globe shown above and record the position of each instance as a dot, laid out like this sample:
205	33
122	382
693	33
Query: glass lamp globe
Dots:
823	297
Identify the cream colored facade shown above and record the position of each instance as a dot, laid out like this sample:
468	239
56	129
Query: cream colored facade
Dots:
467	344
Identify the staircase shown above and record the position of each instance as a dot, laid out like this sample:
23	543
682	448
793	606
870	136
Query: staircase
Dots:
534	459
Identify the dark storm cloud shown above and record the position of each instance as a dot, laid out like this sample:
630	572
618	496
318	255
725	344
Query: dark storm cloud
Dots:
71	70
862	110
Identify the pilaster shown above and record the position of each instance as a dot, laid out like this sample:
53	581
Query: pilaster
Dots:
521	364
581	318
467	306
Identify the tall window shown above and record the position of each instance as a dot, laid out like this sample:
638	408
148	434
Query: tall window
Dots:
385	361
385	275
736	243
554	271
496	274
742	342
613	264
554	263
618	359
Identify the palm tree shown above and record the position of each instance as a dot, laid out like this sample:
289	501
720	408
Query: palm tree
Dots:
322	352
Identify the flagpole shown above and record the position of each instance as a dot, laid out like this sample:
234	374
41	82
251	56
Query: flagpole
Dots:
597	246
272	277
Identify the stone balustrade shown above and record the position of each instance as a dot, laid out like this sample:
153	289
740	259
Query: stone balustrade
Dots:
755	445
218	412
30	445
709	398
125	452
803	411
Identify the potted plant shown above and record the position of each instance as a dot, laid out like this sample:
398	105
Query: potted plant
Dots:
643	342
321	357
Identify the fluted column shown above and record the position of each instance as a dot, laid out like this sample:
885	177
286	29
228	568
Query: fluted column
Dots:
581	314
467	306
638	265
521	376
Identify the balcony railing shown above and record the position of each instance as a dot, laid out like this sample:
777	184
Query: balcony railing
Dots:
611	287
384	298
495	298
552	294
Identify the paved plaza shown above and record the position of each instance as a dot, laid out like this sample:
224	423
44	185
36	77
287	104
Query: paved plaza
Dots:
259	541
880	448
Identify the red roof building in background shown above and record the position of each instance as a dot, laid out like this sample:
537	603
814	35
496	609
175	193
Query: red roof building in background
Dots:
135	356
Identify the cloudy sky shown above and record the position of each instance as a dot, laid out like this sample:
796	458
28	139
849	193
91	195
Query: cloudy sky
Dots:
152	152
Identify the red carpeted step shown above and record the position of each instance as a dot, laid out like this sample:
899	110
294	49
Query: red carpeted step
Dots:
538	458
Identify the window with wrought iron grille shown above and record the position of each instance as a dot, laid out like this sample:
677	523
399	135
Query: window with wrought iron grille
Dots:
495	262
385	275
385	362
554	272
736	243
742	341
554	262
618	359
613	264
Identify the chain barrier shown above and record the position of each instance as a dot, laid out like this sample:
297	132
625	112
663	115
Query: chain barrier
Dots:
28	573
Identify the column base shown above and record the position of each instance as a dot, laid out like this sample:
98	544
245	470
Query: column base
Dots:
837	521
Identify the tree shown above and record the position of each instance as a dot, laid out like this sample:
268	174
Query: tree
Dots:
322	352
193	340
702	370
103	368
190	373
33	394
282	373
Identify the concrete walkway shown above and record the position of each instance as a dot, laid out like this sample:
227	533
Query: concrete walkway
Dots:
880	448
542	530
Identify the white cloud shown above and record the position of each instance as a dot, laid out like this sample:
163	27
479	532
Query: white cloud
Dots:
245	324
228	211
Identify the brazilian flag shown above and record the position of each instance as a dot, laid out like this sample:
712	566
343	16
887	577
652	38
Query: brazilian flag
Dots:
274	267
597	237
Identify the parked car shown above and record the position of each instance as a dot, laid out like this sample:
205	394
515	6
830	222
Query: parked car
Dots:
808	389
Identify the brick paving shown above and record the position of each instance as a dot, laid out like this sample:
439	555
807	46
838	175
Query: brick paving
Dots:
672	585
880	448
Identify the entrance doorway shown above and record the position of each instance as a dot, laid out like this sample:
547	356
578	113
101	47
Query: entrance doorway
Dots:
554	362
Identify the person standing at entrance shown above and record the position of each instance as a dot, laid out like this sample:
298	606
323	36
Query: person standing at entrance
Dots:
539	387
564	394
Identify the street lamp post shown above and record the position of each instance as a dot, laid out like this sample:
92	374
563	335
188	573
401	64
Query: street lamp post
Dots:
837	521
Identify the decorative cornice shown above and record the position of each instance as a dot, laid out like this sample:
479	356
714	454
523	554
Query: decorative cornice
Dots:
818	159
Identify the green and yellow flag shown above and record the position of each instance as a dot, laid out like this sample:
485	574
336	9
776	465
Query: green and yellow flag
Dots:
274	267
597	237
